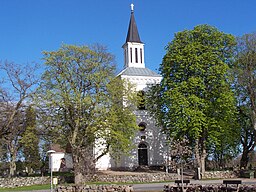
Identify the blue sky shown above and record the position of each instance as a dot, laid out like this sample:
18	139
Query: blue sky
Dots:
29	27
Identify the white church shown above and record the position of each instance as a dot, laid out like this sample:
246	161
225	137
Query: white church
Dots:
150	142
151	147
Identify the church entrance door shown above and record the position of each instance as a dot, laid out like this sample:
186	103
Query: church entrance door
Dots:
143	154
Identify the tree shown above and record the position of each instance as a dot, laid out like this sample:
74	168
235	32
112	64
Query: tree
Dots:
12	142
81	103
248	134
181	155
30	141
194	98
16	88
245	87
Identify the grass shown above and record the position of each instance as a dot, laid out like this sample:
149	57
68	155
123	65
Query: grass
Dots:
27	188
123	183
47	186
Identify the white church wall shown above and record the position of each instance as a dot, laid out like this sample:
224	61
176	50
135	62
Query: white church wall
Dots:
56	158
155	141
104	162
142	82
154	138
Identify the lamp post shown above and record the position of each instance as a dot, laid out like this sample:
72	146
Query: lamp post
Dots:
50	152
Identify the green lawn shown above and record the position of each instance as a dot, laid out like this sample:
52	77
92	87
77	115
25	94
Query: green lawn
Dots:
27	188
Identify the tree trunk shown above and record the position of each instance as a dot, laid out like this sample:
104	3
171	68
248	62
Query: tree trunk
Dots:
12	168
244	159
203	157
254	119
13	155
200	154
197	154
84	166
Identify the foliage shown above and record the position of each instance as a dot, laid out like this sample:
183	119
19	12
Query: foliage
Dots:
81	103
194	98
30	141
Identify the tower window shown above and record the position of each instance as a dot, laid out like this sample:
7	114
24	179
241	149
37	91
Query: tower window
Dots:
141	100
136	55
131	54
125	56
140	55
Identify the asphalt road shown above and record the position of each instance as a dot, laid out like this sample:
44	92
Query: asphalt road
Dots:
159	186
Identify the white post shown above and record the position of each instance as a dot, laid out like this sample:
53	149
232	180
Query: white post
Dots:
51	171
50	152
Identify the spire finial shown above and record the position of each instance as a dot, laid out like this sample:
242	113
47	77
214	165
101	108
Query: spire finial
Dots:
132	7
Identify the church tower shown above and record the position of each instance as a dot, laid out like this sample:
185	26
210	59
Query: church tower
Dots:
149	140
133	47
135	69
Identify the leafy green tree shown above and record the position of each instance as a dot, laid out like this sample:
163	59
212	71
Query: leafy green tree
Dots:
194	98
83	103
227	149
30	141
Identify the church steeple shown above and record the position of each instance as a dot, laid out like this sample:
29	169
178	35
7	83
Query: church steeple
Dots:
133	47
133	34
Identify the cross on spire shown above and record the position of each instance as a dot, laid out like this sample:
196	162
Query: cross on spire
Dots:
132	7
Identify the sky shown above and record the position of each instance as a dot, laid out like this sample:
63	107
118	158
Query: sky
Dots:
29	27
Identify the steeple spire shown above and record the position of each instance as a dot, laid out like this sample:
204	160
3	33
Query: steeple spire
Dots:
133	47
133	34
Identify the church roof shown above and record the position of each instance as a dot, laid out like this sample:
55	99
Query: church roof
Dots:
133	34
135	71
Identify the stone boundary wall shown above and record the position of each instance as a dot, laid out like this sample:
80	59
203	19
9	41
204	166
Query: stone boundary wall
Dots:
95	188
23	181
220	174
147	177
212	188
122	178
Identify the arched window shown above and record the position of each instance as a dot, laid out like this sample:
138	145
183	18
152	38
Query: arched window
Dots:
141	100
142	126
143	154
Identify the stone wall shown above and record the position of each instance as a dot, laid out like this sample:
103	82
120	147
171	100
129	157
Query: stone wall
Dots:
207	188
23	181
220	174
120	178
146	177
95	188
